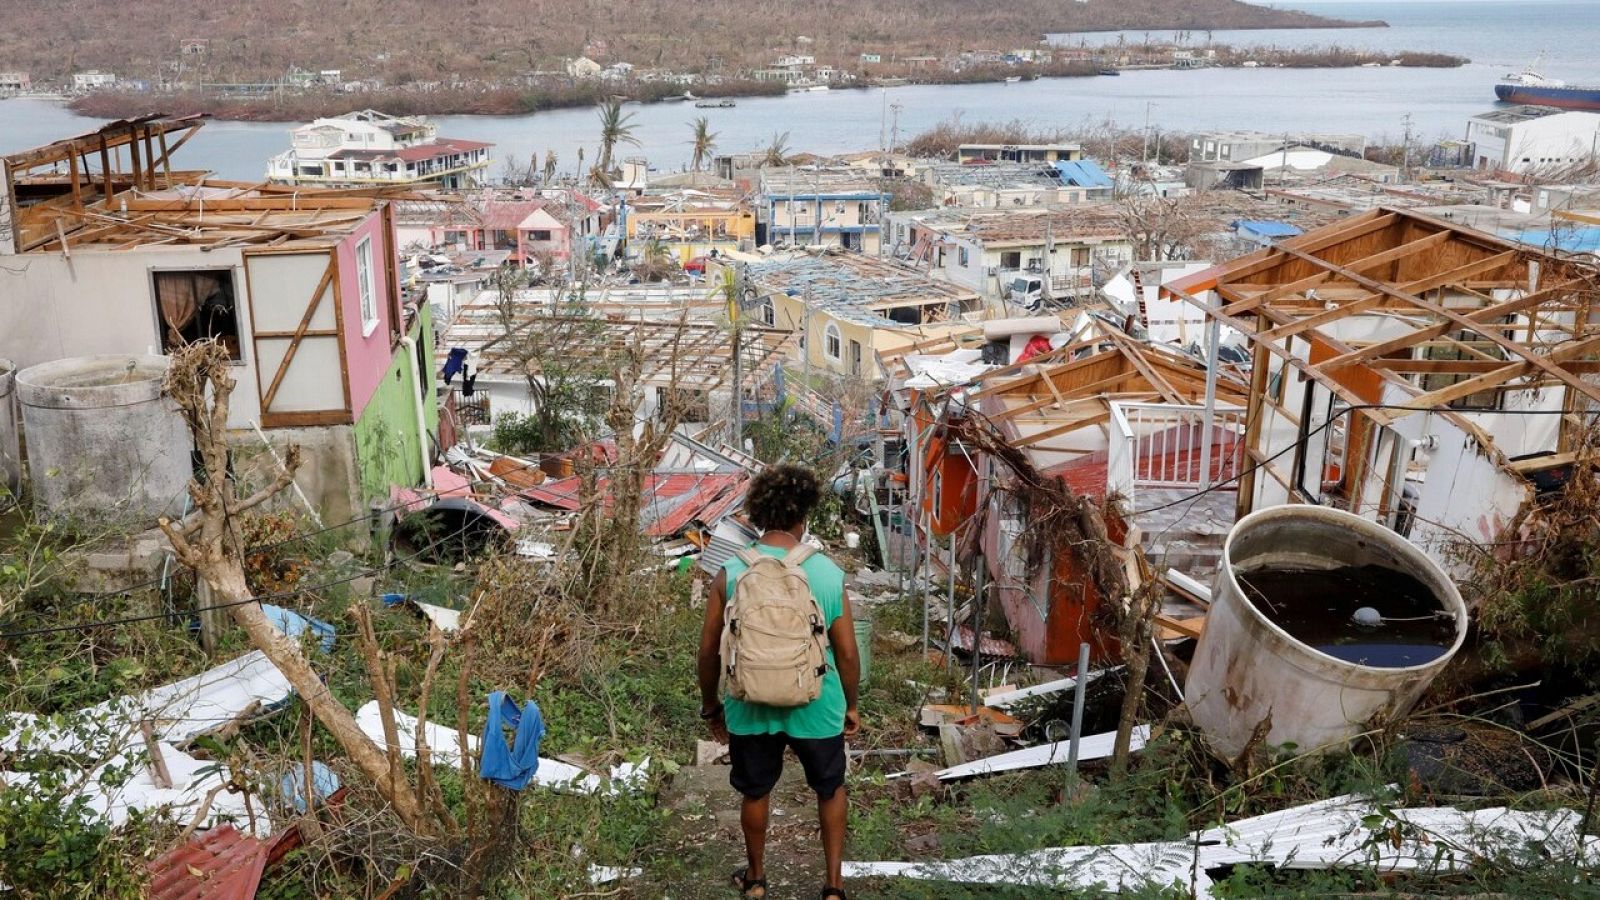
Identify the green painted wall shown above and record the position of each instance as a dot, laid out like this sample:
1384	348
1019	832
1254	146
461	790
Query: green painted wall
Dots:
386	434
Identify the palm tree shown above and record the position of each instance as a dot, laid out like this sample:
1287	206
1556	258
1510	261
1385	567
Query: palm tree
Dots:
704	140
615	128
550	165
777	153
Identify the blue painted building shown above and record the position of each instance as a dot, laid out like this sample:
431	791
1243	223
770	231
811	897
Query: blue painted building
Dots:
829	207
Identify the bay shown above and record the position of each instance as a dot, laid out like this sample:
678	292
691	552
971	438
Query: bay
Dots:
1498	35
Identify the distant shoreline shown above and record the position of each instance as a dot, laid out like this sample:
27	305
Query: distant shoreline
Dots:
515	101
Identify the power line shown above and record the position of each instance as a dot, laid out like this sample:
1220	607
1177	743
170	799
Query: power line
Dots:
128	620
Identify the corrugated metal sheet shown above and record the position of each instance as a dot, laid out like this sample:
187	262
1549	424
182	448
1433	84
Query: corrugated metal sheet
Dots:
670	501
220	864
729	537
1325	834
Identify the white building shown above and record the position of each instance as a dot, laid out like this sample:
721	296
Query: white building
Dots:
92	80
584	67
989	250
1525	139
370	147
14	83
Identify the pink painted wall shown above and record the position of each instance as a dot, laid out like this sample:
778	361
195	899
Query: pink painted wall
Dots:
366	357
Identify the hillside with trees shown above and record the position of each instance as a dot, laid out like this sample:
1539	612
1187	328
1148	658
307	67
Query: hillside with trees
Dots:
405	41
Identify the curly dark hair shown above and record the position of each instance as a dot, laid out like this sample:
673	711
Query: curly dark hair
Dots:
782	496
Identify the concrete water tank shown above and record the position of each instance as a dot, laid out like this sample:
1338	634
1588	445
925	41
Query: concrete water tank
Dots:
104	443
10	456
1247	667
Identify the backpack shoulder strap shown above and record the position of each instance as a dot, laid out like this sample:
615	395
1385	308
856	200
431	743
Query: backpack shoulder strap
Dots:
799	555
749	555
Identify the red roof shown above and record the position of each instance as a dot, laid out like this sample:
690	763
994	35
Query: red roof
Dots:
507	215
670	500
220	864
441	147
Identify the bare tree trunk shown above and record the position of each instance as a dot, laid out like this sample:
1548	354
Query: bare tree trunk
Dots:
1136	647
210	544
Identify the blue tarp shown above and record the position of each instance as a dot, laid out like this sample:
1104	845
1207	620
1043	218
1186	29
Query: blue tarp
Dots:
1085	173
323	781
293	625
1571	238
1265	228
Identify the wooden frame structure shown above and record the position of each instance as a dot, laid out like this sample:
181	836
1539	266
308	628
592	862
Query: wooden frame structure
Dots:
1394	314
116	188
684	350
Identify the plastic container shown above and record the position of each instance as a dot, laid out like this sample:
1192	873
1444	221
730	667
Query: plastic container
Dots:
104	442
863	623
1246	667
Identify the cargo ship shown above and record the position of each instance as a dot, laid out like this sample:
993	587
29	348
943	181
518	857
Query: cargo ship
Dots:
1530	87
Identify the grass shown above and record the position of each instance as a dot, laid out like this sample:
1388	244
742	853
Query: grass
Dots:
611	693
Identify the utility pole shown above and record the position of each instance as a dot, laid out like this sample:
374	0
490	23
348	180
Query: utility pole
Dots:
735	313
1144	149
1405	151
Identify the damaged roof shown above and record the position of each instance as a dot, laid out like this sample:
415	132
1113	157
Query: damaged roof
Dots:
855	286
115	188
679	346
1435	299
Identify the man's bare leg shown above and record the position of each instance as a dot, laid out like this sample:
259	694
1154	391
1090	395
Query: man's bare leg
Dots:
831	814
753	820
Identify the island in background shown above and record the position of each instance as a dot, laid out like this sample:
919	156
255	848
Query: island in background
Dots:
248	60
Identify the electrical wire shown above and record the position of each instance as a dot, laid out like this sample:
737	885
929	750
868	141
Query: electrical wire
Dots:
128	620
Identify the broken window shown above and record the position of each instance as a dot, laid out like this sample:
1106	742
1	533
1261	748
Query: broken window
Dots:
1011	259
196	305
832	344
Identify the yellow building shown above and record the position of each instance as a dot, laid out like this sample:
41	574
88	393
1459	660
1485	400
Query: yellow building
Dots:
849	307
690	223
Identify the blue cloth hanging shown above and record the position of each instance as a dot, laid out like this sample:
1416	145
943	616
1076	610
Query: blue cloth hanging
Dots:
453	362
511	765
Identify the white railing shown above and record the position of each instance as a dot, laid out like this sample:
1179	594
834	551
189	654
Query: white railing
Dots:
1163	445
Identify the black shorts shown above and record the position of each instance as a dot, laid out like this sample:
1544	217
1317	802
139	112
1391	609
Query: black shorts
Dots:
758	761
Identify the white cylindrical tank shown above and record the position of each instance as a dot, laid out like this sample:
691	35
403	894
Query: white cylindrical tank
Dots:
104	442
1246	667
10	456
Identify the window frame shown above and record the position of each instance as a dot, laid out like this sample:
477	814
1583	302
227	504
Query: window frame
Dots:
833	342
366	290
160	325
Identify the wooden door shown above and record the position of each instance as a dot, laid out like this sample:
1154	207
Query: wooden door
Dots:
296	322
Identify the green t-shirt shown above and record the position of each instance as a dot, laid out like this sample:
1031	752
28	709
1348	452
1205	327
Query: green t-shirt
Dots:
824	716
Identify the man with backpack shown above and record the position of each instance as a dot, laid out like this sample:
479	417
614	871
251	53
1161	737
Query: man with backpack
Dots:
779	640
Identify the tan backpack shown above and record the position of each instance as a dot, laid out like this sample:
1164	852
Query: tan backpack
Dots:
774	633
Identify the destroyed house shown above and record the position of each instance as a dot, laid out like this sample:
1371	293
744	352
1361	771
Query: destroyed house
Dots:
685	351
850	307
1418	373
117	252
1017	255
1104	414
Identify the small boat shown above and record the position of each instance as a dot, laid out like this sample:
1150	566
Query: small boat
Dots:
1109	72
1013	79
715	104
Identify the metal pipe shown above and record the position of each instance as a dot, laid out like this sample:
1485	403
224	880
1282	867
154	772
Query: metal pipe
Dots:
1214	337
950	610
1077	709
979	589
